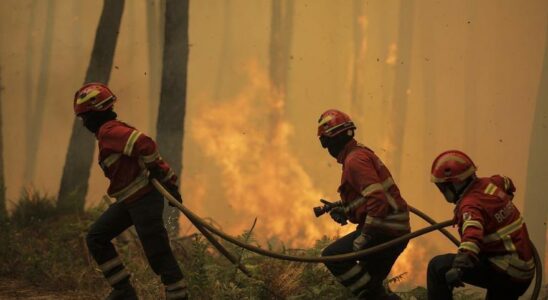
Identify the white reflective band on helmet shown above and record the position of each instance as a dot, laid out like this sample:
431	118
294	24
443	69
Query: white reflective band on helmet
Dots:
350	273
110	264
360	283
130	142
117	277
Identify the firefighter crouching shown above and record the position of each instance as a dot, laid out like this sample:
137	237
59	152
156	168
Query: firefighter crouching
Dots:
495	252
128	158
370	199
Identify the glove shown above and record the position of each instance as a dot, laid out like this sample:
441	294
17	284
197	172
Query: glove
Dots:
462	261
156	172
338	215
362	241
173	189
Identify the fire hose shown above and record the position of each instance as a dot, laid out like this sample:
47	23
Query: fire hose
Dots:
203	226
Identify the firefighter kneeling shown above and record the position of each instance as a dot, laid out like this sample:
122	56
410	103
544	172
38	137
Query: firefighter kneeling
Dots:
369	198
495	252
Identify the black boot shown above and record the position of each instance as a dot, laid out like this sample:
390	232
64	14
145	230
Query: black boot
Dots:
123	293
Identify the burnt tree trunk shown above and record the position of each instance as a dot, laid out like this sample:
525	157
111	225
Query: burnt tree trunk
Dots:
36	107
74	181
536	210
155	11
3	210
401	84
171	112
281	24
356	105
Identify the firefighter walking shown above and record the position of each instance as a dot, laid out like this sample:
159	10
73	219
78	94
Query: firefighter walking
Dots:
495	251
128	158
369	198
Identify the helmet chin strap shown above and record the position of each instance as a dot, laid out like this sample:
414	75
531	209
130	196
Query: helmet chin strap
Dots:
95	119
336	144
453	191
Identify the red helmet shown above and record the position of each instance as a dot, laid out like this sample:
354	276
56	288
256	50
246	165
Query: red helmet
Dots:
332	122
93	96
452	166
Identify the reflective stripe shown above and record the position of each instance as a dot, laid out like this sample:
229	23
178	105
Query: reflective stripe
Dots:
111	159
471	246
490	189
117	277
100	104
370	189
177	285
110	264
394	223
506	183
151	158
170	174
87	97
354	204
360	283
504	231
350	273
130	142
471	223
514	266
176	294
137	184
403	216
471	170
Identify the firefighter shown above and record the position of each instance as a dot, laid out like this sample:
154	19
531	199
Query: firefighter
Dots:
129	159
495	251
369	198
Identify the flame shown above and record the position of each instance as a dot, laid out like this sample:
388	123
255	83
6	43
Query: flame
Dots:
247	137
412	262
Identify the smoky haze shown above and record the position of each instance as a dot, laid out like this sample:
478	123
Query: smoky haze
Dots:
418	78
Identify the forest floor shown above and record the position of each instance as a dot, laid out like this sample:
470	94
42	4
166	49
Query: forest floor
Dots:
18	289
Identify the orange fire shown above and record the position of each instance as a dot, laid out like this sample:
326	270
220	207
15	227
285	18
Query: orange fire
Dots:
247	137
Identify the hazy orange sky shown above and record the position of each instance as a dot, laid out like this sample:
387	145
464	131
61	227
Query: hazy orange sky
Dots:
466	72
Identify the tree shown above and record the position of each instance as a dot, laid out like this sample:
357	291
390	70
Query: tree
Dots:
3	211
224	50
358	61
281	24
401	84
36	107
536	210
171	112
155	11
74	181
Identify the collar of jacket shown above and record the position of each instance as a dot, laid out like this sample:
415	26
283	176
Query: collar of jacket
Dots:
346	150
99	131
